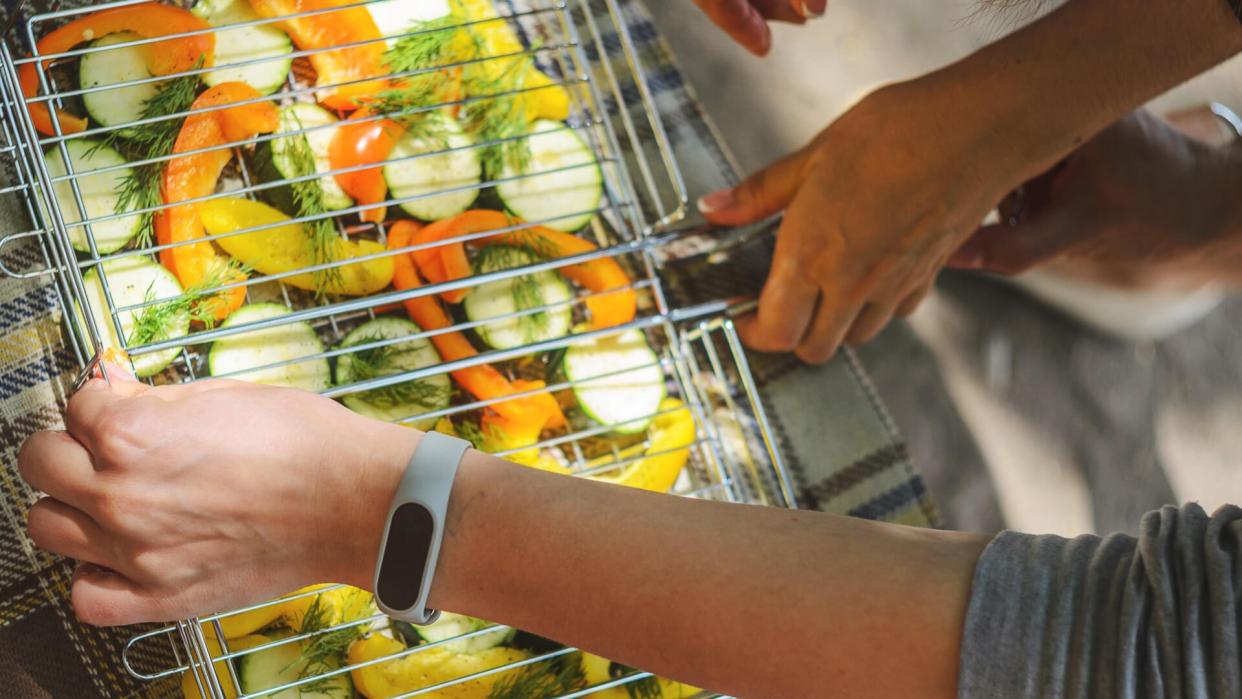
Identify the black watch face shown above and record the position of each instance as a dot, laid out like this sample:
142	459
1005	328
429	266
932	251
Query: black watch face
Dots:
405	556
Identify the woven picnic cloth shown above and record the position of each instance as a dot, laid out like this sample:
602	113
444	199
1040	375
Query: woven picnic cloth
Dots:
842	448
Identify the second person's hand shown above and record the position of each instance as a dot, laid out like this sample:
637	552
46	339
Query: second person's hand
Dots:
875	205
747	20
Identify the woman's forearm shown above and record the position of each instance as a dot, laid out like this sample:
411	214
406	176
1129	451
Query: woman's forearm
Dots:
746	600
1054	84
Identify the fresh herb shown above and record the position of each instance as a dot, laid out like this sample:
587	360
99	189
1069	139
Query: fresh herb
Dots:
386	361
194	302
471	432
497	118
321	237
323	653
646	688
559	677
140	189
425	44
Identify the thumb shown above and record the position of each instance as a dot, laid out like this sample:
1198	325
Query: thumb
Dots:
1006	249
761	195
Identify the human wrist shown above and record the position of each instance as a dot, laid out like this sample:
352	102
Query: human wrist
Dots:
1223	243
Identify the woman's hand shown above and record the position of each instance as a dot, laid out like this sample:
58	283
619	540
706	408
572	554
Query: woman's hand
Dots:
184	500
875	205
747	20
1139	204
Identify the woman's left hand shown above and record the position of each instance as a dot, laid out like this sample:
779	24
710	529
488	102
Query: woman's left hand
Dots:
185	500
747	20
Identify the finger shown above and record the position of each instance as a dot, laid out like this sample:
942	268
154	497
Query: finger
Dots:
912	301
92	403
1007	249
781	10
785	311
57	464
103	597
810	9
68	531
740	21
832	322
763	194
871	320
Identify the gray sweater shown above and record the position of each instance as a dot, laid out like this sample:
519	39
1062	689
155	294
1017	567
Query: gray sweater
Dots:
1157	616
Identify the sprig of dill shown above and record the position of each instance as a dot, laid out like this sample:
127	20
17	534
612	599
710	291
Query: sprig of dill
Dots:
322	653
152	320
425	44
140	188
499	119
538	681
386	361
322	239
646	688
527	291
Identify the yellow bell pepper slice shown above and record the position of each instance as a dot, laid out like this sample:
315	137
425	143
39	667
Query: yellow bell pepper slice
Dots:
670	438
189	686
336	606
550	101
246	623
596	671
284	248
427	668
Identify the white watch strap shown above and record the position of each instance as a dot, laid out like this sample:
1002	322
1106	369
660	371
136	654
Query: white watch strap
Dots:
428	481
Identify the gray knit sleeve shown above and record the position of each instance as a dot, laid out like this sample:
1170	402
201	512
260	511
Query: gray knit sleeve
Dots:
1157	616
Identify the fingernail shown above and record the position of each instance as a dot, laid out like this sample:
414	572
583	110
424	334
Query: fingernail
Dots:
811	9
716	201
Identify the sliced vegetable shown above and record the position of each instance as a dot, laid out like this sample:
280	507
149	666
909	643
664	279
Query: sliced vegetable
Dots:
195	175
346	73
245	623
284	247
396	17
257	55
333	607
285	664
293	346
428	668
115	106
612	302
515	295
99	194
562	185
452	626
131	281
189	686
312	119
364	141
402	401
148	20
670	436
602	671
484	382
618	380
425	165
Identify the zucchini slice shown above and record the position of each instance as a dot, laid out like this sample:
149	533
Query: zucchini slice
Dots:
281	665
293	120
267	46
401	401
397	17
453	625
259	348
130	281
626	401
496	299
561	187
98	194
447	161
122	105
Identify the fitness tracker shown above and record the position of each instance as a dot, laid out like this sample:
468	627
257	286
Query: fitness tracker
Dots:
410	547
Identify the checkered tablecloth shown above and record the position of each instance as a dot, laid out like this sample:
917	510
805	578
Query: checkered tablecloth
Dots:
843	450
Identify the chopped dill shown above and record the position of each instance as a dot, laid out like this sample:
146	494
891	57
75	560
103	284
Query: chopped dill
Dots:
140	189
153	319
646	688
424	45
559	677
323	653
386	361
321	237
471	432
499	119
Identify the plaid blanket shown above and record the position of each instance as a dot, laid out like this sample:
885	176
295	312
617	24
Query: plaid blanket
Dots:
841	446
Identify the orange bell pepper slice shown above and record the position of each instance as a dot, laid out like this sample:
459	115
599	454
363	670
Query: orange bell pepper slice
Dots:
367	143
192	176
484	382
147	20
608	310
349	25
